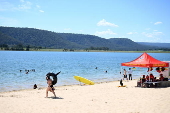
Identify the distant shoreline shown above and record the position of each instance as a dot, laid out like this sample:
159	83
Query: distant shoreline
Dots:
61	50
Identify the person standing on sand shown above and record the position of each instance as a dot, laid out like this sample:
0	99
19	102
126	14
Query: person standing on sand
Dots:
50	87
121	83
125	75
130	74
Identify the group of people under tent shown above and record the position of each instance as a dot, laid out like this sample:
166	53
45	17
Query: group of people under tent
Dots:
151	78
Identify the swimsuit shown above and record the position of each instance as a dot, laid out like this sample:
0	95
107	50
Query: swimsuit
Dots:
51	87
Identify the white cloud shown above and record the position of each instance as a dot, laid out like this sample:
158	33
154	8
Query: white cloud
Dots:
153	34
130	33
105	23
41	11
105	32
22	6
25	5
156	23
37	6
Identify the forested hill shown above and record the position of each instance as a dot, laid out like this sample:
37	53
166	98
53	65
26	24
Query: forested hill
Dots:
43	38
161	45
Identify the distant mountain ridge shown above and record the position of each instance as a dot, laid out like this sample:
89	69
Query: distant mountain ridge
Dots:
163	45
48	39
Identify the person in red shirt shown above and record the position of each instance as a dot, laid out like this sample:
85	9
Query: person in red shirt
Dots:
151	77
147	78
161	78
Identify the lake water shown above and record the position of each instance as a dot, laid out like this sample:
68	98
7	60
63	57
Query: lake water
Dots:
69	63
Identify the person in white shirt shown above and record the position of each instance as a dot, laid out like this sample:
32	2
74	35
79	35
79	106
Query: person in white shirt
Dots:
125	74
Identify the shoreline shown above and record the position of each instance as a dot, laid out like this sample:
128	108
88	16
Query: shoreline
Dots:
60	86
61	50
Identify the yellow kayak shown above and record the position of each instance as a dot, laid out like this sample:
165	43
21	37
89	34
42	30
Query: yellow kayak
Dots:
84	80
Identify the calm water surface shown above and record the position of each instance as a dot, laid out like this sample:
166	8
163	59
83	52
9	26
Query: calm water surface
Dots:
69	63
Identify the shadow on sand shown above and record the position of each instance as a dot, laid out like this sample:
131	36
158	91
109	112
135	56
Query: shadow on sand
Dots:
56	97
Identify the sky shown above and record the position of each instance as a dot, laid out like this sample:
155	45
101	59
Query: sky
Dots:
138	20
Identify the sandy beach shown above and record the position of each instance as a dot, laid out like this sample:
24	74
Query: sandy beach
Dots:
98	98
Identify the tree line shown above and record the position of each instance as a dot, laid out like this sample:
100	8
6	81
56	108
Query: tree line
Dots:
19	47
98	48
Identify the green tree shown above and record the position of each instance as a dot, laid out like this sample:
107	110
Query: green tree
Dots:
28	48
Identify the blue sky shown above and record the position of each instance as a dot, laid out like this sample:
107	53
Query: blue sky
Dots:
138	20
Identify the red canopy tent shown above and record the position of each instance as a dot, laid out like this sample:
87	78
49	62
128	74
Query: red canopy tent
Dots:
145	60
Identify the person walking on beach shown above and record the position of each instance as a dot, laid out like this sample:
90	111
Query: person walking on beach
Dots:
50	87
130	74
125	74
